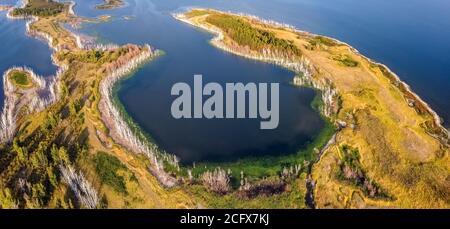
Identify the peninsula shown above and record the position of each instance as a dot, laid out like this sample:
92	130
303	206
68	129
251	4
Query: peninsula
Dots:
70	148
110	4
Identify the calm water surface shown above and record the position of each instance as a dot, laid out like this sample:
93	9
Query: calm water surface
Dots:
146	96
18	49
410	36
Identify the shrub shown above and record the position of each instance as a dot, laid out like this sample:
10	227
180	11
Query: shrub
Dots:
350	171
20	78
322	40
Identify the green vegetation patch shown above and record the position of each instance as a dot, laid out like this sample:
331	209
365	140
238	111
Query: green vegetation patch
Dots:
20	79
107	167
258	167
43	8
346	60
196	13
292	196
351	172
245	34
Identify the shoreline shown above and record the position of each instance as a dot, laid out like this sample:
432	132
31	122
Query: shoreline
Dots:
29	97
127	137
219	37
437	119
298	66
332	89
364	106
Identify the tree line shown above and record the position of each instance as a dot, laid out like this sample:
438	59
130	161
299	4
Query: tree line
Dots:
245	34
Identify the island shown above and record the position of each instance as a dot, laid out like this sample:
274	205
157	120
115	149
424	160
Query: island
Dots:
67	142
110	4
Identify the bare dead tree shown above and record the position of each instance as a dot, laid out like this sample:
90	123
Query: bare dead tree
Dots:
217	181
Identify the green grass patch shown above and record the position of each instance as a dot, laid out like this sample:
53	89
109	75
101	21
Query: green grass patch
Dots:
257	167
20	79
196	13
346	60
109	4
94	56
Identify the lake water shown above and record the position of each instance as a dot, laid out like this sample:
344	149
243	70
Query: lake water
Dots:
18	49
410	36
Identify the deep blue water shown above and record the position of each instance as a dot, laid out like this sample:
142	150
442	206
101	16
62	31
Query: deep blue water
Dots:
18	49
146	96
409	36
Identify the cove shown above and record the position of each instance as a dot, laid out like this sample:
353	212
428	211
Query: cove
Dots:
147	99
